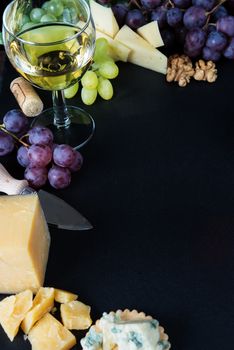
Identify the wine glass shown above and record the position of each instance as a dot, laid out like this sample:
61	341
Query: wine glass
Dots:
51	44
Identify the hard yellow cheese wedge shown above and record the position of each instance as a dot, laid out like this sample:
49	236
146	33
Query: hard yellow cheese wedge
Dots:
13	310
62	296
50	334
151	33
116	50
104	18
24	244
142	53
75	315
42	303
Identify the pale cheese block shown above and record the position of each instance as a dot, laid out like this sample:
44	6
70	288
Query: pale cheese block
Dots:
49	334
24	244
75	315
151	33
104	19
116	50
42	303
142	53
62	296
13	310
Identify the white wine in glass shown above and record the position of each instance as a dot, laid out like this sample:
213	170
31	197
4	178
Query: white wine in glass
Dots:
52	46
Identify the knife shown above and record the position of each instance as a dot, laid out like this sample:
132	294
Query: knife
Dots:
57	211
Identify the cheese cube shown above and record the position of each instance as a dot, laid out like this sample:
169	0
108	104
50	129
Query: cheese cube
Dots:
13	310
49	334
24	244
142	53
42	303
75	315
104	18
116	50
151	33
62	296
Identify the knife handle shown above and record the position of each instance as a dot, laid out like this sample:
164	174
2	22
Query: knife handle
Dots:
8	184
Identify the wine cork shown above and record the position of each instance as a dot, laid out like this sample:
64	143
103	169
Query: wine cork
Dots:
26	96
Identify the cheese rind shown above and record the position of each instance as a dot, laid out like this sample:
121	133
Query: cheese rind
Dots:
42	303
62	296
151	33
104	18
49	334
13	310
24	244
116	50
75	315
142	53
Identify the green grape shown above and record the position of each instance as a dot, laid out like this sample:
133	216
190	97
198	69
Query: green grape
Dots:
27	25
90	80
105	88
71	91
109	70
36	14
55	8
48	18
45	5
25	19
66	16
101	49
88	96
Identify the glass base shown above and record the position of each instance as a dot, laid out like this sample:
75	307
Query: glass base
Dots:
77	134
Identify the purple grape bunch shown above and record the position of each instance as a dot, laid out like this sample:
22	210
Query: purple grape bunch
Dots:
182	23
42	159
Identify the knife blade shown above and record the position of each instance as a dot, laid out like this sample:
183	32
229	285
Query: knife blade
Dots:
57	211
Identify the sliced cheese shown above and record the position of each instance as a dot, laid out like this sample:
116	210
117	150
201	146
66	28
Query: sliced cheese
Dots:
62	296
142	53
75	315
104	18
50	334
42	303
13	310
116	50
24	244
151	33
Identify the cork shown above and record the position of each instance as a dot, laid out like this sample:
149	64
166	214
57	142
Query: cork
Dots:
27	98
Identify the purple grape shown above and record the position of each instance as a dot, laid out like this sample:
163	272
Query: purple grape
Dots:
219	13
135	19
206	4
77	164
174	17
195	40
39	135
226	25
59	177
150	4
192	52
210	55
181	33
210	28
6	143
168	37
36	177
104	2
216	41
229	51
22	156
195	17
120	11
160	15
39	155
64	155
15	121
182	4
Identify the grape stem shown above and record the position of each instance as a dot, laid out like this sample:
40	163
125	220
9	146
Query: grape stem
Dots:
13	135
215	8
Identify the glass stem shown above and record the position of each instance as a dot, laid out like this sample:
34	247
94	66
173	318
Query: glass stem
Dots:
61	115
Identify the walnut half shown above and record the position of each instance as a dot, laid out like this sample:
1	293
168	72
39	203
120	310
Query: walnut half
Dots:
205	71
180	69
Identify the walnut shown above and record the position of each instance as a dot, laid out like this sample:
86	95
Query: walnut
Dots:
180	69
205	71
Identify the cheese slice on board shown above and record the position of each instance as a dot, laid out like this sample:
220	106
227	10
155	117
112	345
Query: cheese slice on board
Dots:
104	18
24	244
62	296
75	315
13	310
142	53
151	33
49	334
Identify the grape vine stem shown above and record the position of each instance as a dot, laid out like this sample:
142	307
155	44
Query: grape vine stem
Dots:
12	135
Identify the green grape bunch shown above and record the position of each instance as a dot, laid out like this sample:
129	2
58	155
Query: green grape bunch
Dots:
96	81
